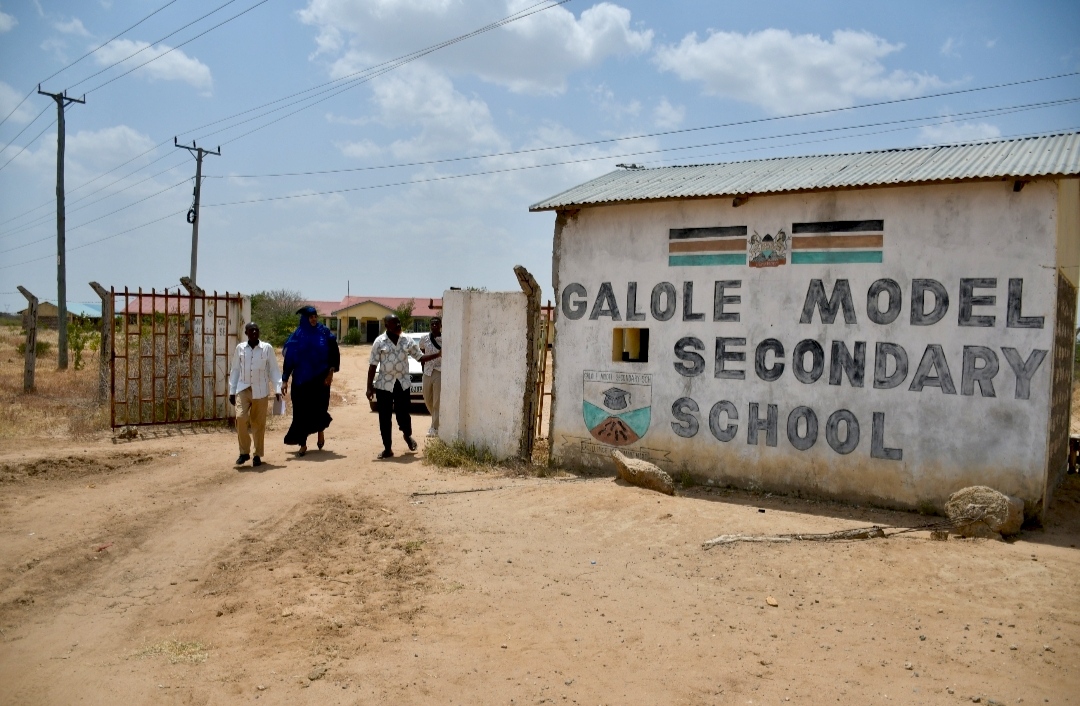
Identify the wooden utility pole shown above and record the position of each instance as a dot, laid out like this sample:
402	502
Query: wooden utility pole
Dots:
105	349
62	101
31	340
193	213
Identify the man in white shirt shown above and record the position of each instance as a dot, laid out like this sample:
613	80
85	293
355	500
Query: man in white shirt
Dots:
390	358
431	344
254	372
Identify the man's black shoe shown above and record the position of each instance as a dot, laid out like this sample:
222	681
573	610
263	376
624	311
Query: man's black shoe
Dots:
385	453
256	462
411	442
242	460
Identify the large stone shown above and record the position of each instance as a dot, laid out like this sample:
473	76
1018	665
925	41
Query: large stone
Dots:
979	511
643	474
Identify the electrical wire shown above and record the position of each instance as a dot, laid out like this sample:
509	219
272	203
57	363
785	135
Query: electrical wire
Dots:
391	64
99	240
458	176
664	133
92	51
530	10
371	73
25	128
904	121
23	148
152	44
94	220
181	44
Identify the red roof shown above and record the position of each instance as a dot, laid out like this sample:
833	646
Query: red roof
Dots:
422	306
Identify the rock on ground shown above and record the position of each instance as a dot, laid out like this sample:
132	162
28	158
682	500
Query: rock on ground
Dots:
643	474
980	511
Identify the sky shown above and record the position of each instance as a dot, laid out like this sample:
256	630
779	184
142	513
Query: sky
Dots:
365	151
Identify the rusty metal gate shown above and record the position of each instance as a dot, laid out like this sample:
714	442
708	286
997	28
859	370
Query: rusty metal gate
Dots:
170	356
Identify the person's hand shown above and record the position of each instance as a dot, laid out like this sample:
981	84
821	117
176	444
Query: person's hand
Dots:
285	387
329	378
370	393
278	396
232	400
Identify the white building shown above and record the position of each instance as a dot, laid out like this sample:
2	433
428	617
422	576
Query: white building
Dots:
881	327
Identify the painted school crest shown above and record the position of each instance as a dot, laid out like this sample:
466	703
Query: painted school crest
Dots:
768	250
617	406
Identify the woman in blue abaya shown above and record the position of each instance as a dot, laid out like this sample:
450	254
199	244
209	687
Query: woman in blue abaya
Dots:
311	359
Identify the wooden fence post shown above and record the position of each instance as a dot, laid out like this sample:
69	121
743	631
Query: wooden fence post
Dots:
31	340
105	349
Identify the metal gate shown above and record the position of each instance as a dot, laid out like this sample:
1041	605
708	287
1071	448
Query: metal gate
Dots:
170	356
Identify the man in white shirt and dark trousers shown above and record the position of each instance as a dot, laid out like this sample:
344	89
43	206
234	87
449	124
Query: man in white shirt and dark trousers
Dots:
431	344
254	372
390	355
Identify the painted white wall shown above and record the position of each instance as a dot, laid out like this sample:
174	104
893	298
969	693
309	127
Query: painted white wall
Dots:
484	369
940	232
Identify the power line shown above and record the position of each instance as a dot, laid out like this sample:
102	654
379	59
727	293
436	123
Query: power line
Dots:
515	16
974	113
665	132
94	220
458	176
371	73
181	44
152	44
99	240
561	163
23	148
27	127
393	63
92	51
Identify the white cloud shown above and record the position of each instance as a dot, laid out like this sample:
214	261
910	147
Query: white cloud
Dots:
666	115
531	55
604	99
950	131
951	47
421	97
786	73
172	66
72	26
361	149
7	22
9	98
57	47
991	43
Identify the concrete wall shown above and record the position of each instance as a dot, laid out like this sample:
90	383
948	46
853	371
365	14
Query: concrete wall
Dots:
484	370
922	435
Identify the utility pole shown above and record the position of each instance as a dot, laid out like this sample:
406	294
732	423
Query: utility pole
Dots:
62	101
193	213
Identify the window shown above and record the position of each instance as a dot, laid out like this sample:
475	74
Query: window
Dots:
630	345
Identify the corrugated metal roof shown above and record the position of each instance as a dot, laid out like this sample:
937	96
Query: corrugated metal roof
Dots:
1053	155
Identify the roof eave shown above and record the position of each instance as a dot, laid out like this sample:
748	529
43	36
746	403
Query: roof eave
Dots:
819	189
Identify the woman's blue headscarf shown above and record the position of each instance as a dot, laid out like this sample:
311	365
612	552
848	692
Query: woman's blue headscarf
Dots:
307	352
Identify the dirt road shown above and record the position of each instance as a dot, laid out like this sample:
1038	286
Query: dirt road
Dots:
152	571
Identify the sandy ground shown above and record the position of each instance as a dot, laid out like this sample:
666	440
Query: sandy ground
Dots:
152	571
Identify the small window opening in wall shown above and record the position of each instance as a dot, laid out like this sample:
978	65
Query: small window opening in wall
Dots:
630	345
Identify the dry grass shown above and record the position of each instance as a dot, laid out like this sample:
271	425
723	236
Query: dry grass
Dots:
463	457
63	403
177	651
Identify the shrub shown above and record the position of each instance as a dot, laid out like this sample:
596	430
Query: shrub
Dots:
353	337
41	348
275	313
81	334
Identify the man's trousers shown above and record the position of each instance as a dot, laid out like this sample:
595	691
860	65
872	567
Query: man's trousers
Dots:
250	413
392	404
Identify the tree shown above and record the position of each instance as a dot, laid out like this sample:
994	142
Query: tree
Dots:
275	313
404	312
